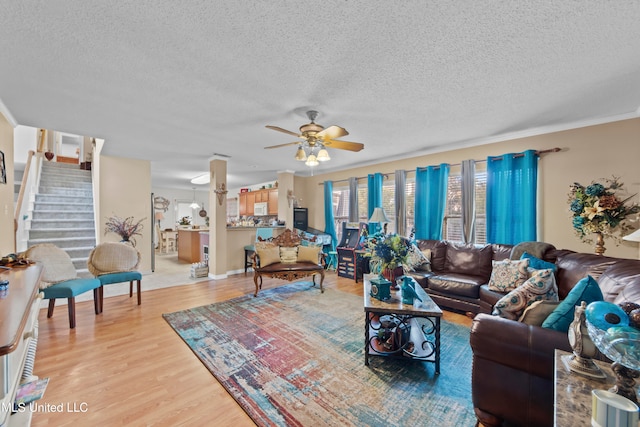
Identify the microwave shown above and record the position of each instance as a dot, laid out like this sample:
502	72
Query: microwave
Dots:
260	209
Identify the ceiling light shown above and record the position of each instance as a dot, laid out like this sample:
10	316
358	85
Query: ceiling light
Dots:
301	155
323	155
312	161
201	179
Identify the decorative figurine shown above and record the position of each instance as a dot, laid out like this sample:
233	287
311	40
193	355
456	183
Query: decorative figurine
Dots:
583	348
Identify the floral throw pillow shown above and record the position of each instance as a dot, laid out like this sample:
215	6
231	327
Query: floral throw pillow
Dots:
417	260
541	286
506	275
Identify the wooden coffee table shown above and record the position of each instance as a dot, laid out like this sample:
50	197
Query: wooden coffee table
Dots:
394	329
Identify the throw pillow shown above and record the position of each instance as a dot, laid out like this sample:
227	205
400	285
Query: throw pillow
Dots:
288	255
268	256
506	275
416	259
308	254
586	289
264	245
537	312
541	286
538	264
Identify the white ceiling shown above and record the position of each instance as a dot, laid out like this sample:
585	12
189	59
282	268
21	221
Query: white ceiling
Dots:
175	82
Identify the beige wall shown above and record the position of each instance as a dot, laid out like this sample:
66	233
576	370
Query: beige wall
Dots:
125	190
7	235
588	153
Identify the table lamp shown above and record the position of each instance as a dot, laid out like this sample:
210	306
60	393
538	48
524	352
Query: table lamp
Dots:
633	237
380	217
159	217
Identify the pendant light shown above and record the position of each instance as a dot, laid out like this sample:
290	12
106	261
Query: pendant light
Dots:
194	204
323	155
312	160
300	154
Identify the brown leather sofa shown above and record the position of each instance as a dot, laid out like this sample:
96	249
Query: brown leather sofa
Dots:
460	273
513	363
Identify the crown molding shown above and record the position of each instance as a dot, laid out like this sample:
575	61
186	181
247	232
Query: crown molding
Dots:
7	115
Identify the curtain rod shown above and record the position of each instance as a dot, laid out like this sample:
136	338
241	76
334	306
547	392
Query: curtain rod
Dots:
386	175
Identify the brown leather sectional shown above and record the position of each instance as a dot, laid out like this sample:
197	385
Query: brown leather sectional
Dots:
460	273
513	363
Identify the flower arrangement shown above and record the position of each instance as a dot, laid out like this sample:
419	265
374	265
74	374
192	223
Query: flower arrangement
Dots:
387	251
126	228
185	220
601	207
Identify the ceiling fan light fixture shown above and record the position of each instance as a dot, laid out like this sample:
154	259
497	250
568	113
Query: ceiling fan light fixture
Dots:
323	155
312	160
301	155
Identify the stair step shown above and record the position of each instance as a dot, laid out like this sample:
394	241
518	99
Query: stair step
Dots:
62	191
71	215
55	233
63	223
64	199
66	242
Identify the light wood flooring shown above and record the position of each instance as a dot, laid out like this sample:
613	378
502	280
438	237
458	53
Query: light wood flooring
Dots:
127	366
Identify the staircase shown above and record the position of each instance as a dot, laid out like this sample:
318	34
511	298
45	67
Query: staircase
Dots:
63	212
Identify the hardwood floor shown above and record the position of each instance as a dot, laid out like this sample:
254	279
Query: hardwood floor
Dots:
127	366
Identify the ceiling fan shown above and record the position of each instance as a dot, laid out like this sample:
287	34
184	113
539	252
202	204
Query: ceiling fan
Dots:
315	139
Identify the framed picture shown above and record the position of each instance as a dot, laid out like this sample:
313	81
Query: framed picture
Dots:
3	169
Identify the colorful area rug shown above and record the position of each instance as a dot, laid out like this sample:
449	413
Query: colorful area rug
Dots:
295	357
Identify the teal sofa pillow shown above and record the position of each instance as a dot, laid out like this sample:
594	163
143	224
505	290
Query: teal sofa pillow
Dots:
539	264
587	290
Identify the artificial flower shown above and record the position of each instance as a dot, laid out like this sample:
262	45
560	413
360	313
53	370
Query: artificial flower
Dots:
601	208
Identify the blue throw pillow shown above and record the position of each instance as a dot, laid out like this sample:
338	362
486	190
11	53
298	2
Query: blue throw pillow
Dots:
539	264
587	290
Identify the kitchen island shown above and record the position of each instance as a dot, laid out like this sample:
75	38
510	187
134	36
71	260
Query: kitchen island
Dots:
190	242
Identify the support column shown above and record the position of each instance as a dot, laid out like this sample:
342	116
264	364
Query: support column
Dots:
218	218
285	190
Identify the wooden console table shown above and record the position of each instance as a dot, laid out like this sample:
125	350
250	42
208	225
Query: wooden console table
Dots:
19	308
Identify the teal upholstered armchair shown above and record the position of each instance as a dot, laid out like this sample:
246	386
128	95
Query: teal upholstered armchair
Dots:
115	263
60	279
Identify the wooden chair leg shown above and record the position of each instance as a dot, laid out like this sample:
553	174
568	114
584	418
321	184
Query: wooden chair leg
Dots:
101	297
130	288
96	300
72	312
139	295
52	304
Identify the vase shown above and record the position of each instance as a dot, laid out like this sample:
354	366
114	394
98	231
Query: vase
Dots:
392	274
600	244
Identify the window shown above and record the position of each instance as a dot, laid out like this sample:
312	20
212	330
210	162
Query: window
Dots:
340	209
453	212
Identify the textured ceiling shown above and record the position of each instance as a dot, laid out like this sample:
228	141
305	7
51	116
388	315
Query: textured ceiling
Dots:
175	82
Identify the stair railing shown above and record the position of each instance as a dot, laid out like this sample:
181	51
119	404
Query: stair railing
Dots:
26	199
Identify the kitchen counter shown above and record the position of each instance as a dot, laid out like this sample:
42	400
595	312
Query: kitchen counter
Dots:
243	227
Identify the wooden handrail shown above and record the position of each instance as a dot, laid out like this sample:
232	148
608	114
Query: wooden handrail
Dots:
23	184
43	134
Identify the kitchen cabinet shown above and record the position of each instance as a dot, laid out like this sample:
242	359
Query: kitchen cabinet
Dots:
248	199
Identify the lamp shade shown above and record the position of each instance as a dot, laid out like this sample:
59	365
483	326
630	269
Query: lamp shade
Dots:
159	216
312	160
378	215
301	155
633	237
323	155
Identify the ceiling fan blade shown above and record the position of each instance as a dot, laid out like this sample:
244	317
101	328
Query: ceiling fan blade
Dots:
283	145
332	132
283	130
344	145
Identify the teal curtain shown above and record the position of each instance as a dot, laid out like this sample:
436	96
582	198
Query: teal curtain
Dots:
511	197
430	201
374	191
329	223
